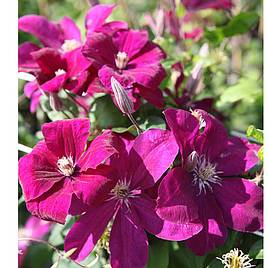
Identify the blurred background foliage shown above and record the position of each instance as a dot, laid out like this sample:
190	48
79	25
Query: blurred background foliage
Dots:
232	76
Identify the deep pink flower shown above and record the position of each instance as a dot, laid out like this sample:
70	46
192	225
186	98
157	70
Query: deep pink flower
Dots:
59	171
63	38
139	165
55	71
132	59
204	4
34	228
209	182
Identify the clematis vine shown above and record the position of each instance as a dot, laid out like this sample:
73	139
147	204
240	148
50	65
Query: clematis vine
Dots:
138	166
211	169
60	174
132	59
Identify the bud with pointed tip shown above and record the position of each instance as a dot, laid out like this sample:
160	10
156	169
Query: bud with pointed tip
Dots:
123	101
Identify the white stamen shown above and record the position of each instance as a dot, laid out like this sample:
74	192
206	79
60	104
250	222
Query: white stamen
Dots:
236	259
69	45
205	173
121	60
66	166
198	115
122	192
60	72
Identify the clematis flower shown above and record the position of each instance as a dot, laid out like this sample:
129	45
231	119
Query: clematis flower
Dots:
64	35
59	171
132	59
62	41
194	5
34	228
210	181
55	71
138	166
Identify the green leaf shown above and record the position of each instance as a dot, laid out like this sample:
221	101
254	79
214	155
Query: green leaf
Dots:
240	24
256	251
255	133
107	115
153	121
158	254
260	153
246	89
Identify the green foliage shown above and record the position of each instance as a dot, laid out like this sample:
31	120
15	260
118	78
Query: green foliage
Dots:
255	133
158	254
256	251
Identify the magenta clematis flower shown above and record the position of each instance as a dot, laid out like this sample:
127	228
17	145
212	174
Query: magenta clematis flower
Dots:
194	5
132	59
55	71
63	38
34	228
59	171
140	163
208	183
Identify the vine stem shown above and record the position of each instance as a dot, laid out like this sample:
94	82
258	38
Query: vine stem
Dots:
60	254
132	119
24	148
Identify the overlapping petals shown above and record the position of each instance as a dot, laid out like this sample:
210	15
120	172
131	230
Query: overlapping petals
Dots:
198	189
51	174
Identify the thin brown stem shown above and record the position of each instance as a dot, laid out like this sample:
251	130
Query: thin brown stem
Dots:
60	254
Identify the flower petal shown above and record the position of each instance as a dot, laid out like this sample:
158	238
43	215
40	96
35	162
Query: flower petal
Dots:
130	41
111	27
38	172
69	29
53	205
86	232
97	15
128	242
94	185
238	157
151	155
67	137
242	211
207	142
101	148
176	200
215	4
24	57
47	32
99	47
145	208
49	60
55	84
185	127
214	232
152	95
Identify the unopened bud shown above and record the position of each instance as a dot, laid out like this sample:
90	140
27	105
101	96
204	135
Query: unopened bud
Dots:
194	79
123	101
55	102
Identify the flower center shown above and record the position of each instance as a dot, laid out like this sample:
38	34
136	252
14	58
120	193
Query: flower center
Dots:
236	259
204	173
69	45
59	72
122	192
66	166
121	60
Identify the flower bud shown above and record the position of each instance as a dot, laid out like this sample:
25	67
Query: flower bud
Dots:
123	101
55	102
